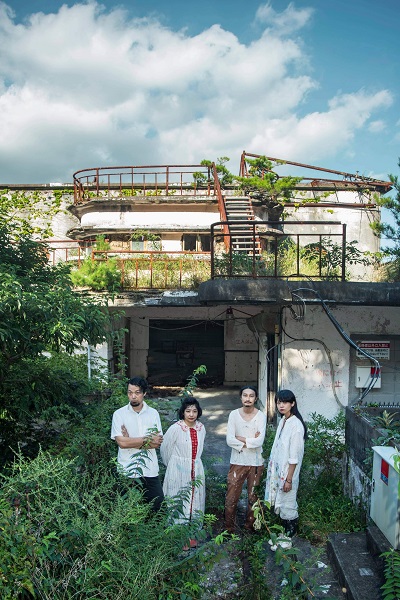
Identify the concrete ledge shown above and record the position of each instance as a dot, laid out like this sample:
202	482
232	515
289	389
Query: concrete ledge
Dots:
276	291
377	544
355	567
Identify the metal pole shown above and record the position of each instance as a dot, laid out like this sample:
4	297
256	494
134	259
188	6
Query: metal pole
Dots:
89	366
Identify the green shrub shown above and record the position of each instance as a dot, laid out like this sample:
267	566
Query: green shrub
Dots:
67	533
43	396
323	507
326	442
98	275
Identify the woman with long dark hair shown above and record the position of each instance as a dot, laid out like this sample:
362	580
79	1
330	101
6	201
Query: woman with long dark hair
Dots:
285	460
181	453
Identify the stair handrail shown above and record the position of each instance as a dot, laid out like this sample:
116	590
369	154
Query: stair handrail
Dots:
221	205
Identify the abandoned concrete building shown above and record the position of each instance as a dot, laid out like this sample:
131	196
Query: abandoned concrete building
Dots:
210	276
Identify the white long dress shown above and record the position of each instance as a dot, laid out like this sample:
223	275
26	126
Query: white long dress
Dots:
177	451
288	448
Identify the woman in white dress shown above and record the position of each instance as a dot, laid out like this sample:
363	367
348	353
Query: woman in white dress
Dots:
285	460
181	453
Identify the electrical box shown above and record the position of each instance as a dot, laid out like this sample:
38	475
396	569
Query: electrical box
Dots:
385	500
364	375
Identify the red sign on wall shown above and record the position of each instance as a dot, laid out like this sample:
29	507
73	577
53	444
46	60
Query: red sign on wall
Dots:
384	471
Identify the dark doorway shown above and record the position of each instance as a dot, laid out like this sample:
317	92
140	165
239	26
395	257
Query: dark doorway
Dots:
178	347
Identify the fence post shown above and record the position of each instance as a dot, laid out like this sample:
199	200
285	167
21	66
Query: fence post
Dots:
344	227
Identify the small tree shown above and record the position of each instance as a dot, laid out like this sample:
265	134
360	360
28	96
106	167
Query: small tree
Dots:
40	313
263	183
391	232
224	175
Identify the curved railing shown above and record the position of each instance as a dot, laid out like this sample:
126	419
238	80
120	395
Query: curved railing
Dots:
150	180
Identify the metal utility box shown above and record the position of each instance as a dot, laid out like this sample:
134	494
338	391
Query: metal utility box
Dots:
385	501
364	375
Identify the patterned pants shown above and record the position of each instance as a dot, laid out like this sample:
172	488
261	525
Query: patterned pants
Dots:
237	475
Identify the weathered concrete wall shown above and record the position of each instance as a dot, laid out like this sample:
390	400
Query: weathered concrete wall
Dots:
241	353
320	385
358	220
150	220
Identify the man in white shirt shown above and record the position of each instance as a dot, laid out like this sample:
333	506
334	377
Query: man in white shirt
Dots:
137	427
245	435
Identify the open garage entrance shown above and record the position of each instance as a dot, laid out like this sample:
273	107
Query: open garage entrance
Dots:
177	347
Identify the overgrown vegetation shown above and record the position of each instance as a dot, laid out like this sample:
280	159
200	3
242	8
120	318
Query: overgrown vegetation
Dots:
43	321
73	527
390	232
98	275
323	508
318	260
263	183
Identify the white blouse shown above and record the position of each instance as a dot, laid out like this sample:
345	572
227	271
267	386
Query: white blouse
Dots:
252	454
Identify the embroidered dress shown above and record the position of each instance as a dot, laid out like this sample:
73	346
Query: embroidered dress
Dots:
288	448
181	453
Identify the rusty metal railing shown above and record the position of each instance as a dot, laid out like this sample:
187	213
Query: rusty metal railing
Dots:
67	250
152	180
297	249
343	181
139	269
155	269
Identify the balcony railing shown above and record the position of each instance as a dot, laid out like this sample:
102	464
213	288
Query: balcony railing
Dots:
159	269
139	269
296	249
291	249
154	180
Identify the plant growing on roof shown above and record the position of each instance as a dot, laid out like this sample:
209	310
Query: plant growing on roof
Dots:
141	235
264	184
224	175
329	255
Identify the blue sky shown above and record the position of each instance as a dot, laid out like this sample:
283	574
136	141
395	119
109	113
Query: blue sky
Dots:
170	82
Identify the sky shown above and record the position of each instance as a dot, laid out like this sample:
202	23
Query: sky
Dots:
143	82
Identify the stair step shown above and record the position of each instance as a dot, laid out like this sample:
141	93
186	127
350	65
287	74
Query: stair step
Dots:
237	206
356	569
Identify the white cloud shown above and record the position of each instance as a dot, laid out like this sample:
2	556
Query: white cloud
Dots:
286	22
84	87
377	126
321	134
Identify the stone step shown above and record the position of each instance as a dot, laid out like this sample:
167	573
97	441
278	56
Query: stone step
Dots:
357	570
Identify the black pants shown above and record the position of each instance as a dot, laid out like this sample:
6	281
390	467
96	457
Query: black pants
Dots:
152	490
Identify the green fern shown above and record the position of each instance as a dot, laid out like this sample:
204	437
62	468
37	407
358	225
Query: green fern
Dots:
391	587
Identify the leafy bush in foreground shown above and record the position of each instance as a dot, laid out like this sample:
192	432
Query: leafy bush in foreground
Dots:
71	535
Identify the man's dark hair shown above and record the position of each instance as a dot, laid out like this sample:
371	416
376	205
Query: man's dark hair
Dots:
248	387
140	382
189	402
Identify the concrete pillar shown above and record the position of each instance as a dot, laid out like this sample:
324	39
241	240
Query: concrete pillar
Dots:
138	346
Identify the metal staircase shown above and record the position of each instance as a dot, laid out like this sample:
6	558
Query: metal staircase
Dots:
243	236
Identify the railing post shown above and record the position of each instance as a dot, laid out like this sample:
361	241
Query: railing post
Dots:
212	250
320	255
344	227
254	249
97	183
